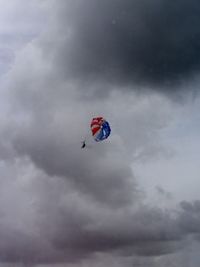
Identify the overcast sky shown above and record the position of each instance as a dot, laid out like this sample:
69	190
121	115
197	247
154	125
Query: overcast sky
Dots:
133	199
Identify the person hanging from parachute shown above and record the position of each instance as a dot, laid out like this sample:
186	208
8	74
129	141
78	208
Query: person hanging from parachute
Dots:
100	129
83	144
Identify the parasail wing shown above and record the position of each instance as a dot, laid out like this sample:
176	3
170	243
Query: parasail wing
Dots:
100	129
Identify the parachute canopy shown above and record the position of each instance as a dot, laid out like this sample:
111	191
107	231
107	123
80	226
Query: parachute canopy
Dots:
100	129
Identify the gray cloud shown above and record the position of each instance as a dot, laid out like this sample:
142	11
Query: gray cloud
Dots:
128	42
190	218
59	203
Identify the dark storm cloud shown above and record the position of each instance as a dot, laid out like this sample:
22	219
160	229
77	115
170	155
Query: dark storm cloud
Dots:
147	232
16	247
190	218
71	233
123	41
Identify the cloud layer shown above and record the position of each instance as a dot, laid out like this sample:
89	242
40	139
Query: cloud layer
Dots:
128	42
61	204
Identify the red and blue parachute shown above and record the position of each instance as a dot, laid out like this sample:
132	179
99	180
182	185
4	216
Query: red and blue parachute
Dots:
100	129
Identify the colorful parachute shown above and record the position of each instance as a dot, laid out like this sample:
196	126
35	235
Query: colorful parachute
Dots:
100	129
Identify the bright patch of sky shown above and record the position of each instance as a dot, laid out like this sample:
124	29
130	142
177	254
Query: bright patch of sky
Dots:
177	173
20	22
